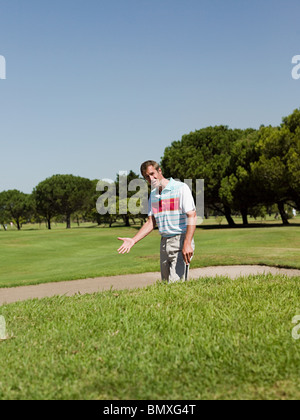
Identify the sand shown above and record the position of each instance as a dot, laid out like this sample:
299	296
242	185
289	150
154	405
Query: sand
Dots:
132	281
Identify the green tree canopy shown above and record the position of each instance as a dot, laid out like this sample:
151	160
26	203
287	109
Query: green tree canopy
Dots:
277	172
122	184
63	195
45	199
204	154
238	189
14	206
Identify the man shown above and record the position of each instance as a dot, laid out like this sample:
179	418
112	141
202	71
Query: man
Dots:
172	209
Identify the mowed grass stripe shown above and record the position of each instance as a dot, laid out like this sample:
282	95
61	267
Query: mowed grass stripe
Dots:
41	256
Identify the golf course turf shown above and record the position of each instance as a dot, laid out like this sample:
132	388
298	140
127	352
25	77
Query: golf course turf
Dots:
211	338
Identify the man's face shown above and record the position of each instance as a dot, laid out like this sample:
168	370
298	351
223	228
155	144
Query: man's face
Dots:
153	176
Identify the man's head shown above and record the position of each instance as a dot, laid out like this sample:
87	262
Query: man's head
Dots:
151	171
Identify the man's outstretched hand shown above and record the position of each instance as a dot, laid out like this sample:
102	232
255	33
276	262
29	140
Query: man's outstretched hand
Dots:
128	243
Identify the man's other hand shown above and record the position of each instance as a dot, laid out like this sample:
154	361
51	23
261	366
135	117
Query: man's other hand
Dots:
128	243
188	253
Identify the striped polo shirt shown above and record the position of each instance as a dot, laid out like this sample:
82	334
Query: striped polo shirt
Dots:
170	207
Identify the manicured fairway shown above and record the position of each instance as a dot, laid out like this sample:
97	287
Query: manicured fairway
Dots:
205	339
40	256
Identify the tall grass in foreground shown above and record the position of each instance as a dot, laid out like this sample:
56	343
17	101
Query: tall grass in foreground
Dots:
206	339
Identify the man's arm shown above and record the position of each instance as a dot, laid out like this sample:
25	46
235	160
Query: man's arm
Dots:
187	249
128	243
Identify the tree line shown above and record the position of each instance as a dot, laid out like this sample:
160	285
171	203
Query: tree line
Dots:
61	198
247	172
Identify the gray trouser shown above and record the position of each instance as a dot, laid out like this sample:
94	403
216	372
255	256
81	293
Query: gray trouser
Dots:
172	265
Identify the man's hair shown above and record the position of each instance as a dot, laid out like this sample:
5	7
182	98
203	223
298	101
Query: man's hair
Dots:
144	166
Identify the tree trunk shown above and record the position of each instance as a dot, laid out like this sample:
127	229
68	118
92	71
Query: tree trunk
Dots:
283	214
245	216
49	223
126	220
228	216
68	221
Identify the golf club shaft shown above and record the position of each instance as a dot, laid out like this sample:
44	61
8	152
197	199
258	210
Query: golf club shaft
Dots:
187	266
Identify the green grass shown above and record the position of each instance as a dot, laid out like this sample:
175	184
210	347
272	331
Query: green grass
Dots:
205	339
34	256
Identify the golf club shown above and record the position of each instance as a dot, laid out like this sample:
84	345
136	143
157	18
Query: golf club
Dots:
187	266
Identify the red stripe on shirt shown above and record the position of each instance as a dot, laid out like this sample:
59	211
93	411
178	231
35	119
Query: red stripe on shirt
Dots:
171	204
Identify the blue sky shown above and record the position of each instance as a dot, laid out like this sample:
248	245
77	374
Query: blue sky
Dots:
98	86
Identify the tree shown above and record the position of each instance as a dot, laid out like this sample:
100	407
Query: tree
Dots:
292	122
63	195
277	171
14	206
293	171
45	199
4	217
123	204
204	154
103	207
238	189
